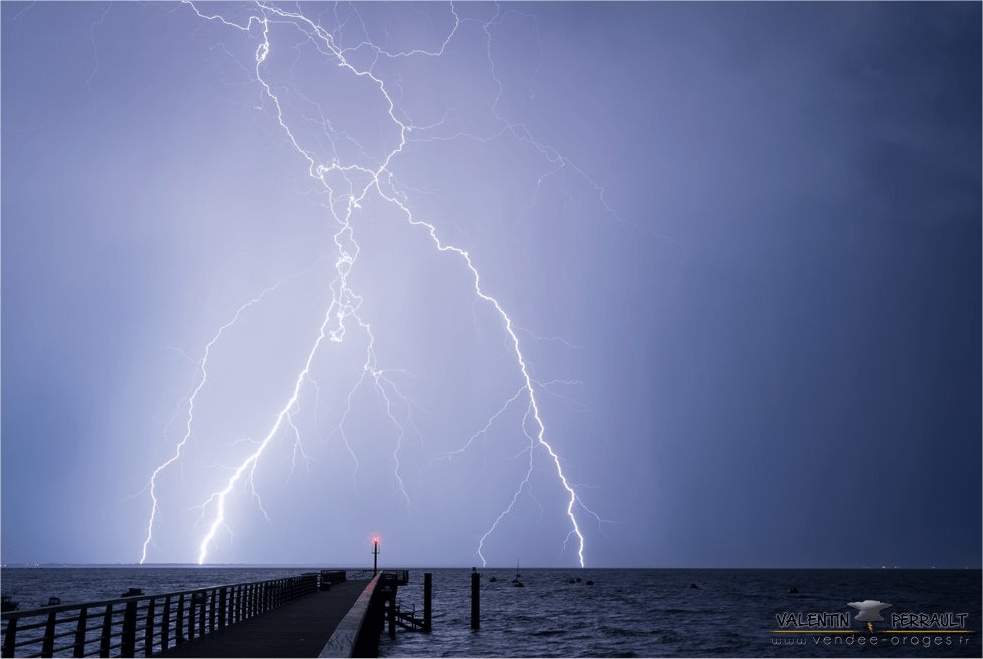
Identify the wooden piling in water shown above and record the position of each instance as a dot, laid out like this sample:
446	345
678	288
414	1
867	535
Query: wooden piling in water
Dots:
427	597
475	600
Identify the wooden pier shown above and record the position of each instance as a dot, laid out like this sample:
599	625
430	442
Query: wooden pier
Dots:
301	628
310	615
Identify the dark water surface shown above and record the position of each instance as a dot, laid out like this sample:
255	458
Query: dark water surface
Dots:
624	613
657	613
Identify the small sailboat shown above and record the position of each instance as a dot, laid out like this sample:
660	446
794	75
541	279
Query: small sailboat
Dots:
516	582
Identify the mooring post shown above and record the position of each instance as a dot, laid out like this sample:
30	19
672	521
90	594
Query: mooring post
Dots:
427	597
475	599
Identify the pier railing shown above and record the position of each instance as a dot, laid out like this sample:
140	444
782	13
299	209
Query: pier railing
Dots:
142	625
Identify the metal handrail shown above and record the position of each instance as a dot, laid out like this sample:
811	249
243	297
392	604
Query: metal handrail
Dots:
143	624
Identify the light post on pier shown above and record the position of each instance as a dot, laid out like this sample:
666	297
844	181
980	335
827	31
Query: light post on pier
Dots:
375	556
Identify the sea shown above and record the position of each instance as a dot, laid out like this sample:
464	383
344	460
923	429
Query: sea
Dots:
618	612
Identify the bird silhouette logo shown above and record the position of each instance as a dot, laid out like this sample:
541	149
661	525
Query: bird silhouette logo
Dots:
869	611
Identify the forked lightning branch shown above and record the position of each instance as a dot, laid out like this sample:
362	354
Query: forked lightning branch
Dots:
348	185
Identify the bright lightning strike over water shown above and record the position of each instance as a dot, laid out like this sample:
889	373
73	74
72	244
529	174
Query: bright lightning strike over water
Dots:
552	282
202	378
360	176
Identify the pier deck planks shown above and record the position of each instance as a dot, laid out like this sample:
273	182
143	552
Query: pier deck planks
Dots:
299	628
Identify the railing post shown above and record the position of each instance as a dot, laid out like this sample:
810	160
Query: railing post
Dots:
165	623
179	623
191	617
48	644
79	649
194	615
128	638
211	612
10	637
105	640
203	601
221	607
148	633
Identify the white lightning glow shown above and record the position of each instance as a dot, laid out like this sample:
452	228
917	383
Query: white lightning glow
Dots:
192	397
349	185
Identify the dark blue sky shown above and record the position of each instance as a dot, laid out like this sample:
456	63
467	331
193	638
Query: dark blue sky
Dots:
655	284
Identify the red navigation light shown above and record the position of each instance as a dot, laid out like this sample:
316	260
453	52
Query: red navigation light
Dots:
375	540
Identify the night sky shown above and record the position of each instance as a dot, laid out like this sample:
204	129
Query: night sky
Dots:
632	285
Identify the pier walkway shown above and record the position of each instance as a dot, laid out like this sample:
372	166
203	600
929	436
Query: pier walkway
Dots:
308	615
300	628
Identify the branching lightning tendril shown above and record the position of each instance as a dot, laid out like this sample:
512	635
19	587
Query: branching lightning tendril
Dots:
349	185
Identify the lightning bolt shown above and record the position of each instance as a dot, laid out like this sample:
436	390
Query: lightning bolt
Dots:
529	389
350	176
192	397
